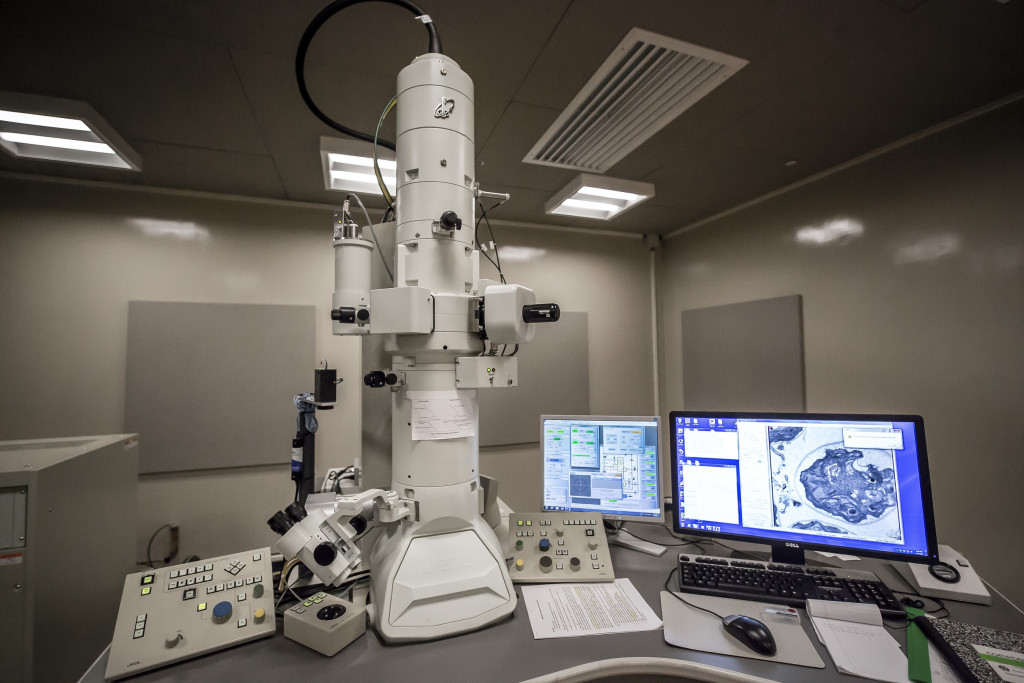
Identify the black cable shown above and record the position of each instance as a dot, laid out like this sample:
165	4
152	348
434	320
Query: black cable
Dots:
736	550
476	236
895	627
685	602
683	543
149	546
941	606
307	38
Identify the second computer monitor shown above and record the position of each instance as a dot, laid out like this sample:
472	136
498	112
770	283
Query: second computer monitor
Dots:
602	464
851	484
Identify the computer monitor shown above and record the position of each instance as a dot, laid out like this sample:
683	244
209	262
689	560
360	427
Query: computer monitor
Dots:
605	465
848	484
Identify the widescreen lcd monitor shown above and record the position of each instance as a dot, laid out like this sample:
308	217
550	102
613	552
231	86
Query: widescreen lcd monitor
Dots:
601	464
849	484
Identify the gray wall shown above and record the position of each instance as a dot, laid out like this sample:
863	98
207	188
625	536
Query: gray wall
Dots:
921	312
73	255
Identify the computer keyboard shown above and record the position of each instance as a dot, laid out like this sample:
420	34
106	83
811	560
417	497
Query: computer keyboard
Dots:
786	584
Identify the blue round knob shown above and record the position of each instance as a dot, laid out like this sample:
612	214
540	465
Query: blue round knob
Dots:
545	544
222	612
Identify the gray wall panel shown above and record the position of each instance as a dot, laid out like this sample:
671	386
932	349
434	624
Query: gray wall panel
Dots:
203	395
744	356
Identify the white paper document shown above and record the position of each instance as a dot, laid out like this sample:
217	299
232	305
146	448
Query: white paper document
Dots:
565	610
857	641
942	672
440	415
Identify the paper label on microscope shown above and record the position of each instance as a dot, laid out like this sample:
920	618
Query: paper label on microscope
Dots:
440	415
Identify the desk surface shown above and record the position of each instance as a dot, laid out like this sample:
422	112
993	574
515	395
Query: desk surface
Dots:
506	651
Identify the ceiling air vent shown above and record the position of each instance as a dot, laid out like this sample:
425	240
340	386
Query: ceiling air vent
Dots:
645	83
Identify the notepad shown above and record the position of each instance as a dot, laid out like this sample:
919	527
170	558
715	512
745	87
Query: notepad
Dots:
857	641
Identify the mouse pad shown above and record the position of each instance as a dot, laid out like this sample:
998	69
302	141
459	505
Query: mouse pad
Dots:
696	630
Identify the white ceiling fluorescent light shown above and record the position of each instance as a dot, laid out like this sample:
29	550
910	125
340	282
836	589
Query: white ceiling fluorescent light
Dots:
56	129
644	84
348	166
598	197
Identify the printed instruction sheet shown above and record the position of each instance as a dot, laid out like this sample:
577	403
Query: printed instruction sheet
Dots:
584	609
440	415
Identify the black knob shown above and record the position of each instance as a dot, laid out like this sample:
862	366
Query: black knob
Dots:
330	612
451	221
391	379
279	523
375	379
296	512
363	314
343	315
358	523
324	554
541	313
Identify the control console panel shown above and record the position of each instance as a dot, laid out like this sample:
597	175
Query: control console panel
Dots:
558	547
174	613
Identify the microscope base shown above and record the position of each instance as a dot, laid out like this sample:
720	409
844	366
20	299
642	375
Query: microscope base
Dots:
438	579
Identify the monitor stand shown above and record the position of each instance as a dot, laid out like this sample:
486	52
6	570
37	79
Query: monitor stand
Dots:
779	554
628	540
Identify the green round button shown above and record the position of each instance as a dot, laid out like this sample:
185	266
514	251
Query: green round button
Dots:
257	590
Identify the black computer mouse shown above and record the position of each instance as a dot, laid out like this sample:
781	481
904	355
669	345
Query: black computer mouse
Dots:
751	632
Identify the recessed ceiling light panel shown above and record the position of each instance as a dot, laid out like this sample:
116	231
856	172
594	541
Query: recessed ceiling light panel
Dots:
348	166
55	129
598	197
646	82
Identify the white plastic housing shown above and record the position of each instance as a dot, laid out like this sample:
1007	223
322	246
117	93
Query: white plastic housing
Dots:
435	174
486	372
315	529
401	310
351	281
503	314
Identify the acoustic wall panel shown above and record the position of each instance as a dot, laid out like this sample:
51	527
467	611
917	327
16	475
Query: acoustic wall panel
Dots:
211	385
553	379
745	357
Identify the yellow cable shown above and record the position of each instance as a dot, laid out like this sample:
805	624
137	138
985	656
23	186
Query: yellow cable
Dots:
377	168
285	570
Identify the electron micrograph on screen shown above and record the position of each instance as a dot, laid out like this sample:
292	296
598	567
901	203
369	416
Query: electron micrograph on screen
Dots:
821	485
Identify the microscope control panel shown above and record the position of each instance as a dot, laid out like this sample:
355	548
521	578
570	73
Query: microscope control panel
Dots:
174	613
558	547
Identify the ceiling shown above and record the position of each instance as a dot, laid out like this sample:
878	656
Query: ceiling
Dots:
204	90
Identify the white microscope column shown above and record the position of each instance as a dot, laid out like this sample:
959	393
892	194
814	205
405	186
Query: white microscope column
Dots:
444	573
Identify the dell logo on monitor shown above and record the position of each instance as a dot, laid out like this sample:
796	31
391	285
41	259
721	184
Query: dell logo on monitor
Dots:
790	544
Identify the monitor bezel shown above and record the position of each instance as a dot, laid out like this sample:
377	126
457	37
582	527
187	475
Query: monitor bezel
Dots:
610	516
922	465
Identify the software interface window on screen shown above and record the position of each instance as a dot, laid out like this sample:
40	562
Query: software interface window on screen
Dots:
852	484
601	465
